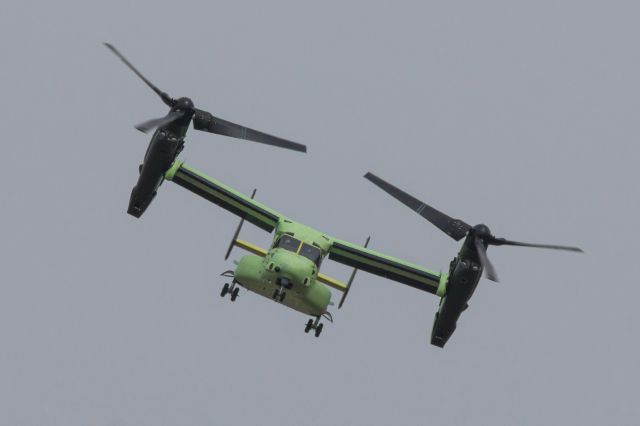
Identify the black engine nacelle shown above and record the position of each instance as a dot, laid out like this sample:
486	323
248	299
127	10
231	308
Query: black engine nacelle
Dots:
464	275
161	153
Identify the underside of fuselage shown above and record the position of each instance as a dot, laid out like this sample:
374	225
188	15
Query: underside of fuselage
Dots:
253	273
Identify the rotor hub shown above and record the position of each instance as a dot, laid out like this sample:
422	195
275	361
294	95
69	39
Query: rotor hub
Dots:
482	231
183	104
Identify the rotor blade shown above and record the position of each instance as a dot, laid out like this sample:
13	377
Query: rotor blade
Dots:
504	242
165	98
455	228
203	120
149	125
489	270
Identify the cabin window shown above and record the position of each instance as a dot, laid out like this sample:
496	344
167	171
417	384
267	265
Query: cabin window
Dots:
288	243
311	252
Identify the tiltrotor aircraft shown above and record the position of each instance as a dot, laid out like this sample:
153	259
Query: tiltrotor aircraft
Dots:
288	272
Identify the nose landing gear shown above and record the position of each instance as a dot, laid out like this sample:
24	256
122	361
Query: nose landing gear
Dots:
279	295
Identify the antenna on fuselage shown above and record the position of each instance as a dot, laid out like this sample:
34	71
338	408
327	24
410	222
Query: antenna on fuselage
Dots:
235	236
353	275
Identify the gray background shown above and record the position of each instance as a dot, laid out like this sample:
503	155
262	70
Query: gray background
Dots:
522	115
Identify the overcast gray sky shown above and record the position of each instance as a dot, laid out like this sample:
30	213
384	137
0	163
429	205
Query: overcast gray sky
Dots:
521	115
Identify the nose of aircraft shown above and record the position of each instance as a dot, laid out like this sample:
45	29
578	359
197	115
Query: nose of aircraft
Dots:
291	267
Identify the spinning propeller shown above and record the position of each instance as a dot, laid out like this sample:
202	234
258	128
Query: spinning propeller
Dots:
202	120
458	229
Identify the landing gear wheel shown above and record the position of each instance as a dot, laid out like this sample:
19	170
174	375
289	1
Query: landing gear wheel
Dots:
234	294
225	290
318	330
309	326
282	296
276	294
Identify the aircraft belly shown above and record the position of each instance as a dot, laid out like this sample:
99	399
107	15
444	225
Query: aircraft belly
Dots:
312	300
294	299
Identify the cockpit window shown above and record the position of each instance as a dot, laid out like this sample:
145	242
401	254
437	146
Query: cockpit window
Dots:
288	243
311	252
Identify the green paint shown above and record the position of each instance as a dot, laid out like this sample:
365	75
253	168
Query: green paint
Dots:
304	233
231	190
442	286
385	267
259	275
389	258
230	201
254	274
172	170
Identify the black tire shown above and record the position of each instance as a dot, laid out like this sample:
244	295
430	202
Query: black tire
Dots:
234	294
282	296
309	325
275	294
225	290
318	330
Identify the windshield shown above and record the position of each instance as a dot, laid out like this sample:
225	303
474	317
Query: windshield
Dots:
288	243
311	252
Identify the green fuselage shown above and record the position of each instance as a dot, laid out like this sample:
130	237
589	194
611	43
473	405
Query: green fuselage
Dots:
291	265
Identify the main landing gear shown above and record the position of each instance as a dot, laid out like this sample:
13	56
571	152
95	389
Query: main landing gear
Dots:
315	325
233	289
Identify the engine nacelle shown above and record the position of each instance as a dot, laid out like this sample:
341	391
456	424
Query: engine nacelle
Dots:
162	151
463	280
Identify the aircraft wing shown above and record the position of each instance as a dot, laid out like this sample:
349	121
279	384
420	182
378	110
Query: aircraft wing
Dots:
386	266
223	195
